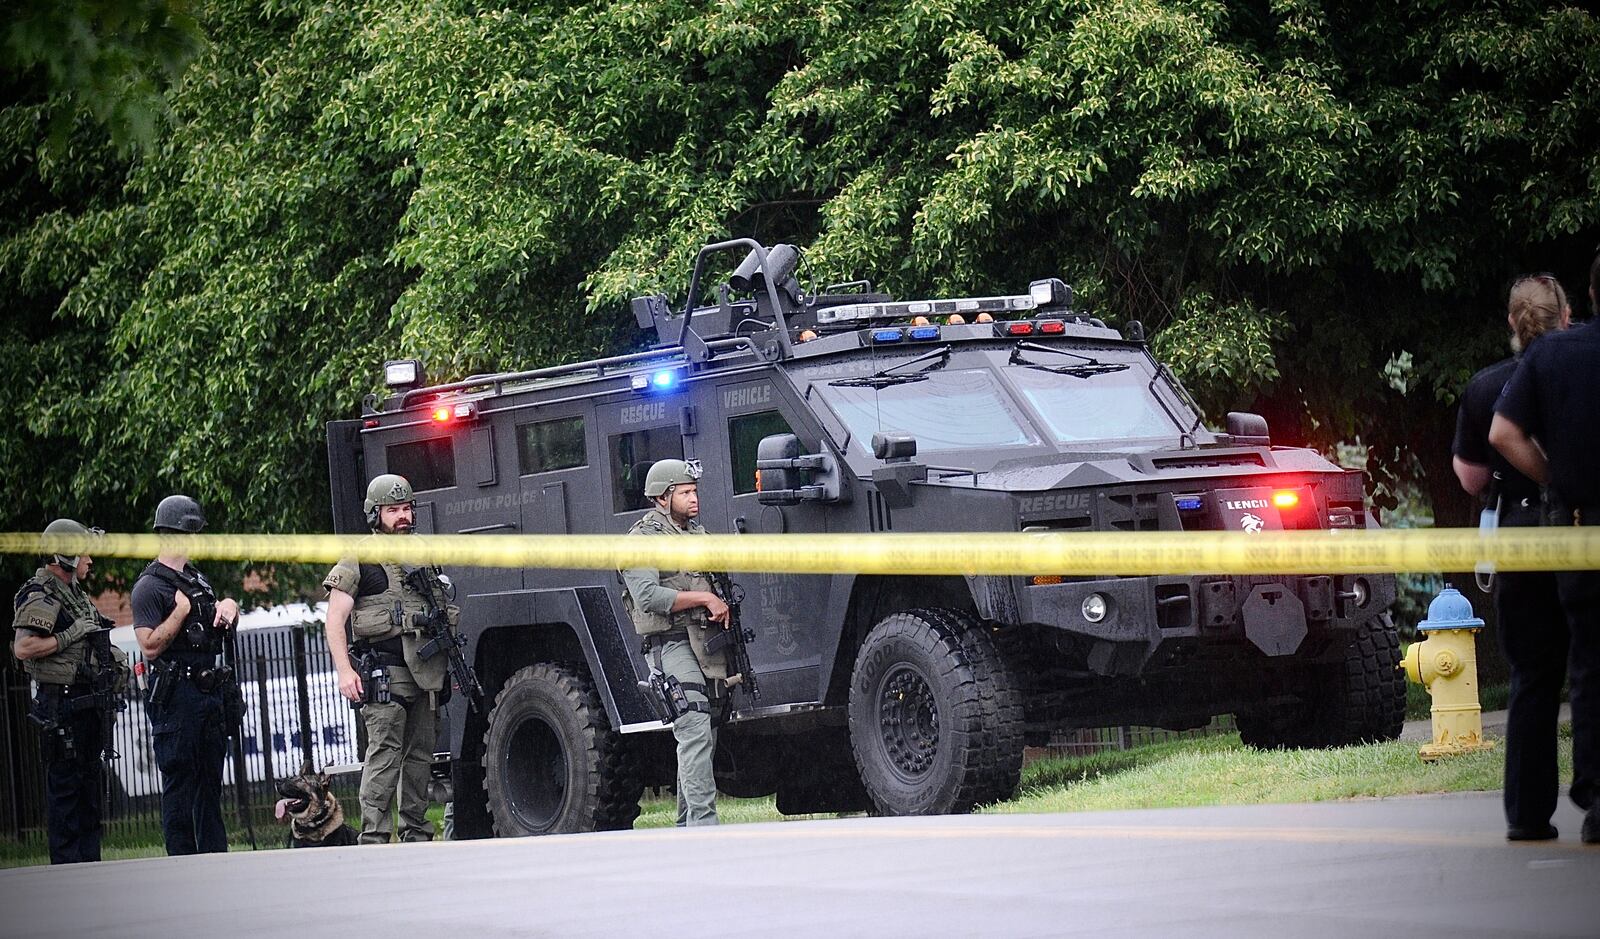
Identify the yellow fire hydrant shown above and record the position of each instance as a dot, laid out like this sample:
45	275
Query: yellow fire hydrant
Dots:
1446	663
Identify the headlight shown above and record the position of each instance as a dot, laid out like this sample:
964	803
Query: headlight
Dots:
1095	607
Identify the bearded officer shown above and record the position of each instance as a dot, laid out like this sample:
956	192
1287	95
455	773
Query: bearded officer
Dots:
61	643
674	611
179	622
373	636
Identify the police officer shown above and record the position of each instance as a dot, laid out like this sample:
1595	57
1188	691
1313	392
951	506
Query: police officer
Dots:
179	622
1547	424
674	611
79	678
374	637
1532	629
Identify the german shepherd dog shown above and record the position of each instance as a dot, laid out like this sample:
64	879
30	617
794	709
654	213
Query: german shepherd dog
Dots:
312	812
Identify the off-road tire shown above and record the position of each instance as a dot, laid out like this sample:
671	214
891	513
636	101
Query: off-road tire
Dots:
1359	699
552	764
935	719
1002	705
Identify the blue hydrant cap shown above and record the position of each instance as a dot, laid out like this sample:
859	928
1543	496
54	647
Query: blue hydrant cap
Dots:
1450	610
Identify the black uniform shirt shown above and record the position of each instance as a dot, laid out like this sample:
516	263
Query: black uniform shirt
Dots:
1472	431
1555	397
152	603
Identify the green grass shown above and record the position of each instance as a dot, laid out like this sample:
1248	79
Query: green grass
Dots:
1222	771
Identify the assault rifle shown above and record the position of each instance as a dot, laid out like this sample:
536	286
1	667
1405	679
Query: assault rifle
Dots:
107	696
435	625
736	637
233	716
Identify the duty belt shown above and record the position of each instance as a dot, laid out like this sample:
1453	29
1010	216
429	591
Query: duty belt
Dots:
656	640
1563	513
69	699
206	678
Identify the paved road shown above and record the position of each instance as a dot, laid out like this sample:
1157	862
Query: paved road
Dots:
1415	866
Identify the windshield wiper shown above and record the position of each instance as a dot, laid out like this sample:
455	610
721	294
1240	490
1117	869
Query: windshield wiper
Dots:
1087	366
883	379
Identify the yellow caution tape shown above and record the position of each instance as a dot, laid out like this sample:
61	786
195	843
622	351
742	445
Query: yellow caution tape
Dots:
1073	554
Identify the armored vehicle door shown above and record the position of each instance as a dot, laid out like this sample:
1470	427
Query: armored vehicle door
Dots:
784	609
555	456
455	470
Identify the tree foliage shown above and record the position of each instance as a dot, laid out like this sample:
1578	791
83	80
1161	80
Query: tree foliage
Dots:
1299	199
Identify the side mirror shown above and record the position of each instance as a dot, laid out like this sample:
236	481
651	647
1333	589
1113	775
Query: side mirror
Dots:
785	476
1248	430
773	458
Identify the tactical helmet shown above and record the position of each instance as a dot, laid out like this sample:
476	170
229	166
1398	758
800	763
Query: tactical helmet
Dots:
66	526
387	489
664	474
179	514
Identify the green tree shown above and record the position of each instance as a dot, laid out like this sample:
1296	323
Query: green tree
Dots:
1314	206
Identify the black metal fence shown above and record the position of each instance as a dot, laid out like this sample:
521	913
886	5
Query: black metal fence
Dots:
292	713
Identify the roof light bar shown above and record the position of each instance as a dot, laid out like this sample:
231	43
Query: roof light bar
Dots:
905	309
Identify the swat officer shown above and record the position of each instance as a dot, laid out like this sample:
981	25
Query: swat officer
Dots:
179	622
63	645
673	611
1547	423
374	638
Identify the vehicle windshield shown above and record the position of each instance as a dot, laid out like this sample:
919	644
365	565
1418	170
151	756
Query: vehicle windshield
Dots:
960	409
1111	406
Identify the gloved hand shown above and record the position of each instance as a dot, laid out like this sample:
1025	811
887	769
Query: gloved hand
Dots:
80	627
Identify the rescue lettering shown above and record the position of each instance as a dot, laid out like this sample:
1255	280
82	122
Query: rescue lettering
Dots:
1056	502
643	413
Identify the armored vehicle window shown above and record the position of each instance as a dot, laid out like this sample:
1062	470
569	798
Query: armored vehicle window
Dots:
1114	406
631	456
426	464
947	410
744	435
551	445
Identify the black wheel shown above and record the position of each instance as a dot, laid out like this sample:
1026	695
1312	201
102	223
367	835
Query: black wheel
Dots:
551	761
934	722
1359	699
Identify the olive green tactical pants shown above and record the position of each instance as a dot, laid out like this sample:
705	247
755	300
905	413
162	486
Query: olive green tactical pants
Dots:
400	739
697	740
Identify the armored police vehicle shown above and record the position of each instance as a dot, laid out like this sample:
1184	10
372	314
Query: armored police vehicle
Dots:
842	410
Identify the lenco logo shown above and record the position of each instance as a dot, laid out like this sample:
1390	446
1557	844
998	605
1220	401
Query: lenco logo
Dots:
1247	504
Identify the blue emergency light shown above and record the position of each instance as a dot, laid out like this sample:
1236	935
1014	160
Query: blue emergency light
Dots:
660	381
887	335
923	333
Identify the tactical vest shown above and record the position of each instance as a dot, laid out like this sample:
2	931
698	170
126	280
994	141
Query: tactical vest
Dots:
393	612
70	604
692	622
197	642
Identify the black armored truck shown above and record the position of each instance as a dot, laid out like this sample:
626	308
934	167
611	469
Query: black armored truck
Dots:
841	410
